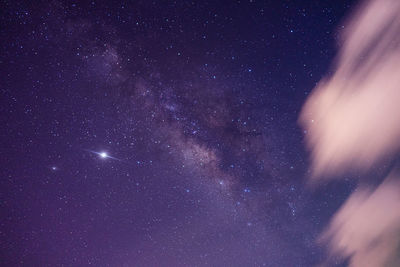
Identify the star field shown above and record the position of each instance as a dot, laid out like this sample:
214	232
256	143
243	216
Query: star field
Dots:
162	133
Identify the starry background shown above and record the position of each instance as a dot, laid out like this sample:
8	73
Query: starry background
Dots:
196	103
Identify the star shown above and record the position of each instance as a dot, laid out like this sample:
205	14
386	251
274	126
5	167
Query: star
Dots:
102	154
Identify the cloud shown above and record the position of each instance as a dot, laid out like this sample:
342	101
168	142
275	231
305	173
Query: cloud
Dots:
367	227
352	122
352	118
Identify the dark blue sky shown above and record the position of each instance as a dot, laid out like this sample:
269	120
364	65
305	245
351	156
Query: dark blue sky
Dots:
196	105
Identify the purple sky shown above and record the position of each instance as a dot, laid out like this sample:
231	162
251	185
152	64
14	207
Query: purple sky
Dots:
195	105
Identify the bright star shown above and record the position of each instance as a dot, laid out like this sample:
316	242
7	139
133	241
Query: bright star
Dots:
102	154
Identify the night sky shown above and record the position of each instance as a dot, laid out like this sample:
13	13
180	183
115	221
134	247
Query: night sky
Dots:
162	133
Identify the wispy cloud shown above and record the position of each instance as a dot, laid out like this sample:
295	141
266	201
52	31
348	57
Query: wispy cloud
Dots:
352	122
352	118
367	227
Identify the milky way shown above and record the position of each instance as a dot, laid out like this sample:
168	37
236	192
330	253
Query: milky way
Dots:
197	102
